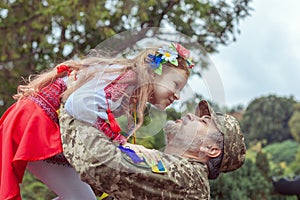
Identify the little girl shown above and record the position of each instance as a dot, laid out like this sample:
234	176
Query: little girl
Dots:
94	90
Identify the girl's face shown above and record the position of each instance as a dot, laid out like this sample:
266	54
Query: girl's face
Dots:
167	87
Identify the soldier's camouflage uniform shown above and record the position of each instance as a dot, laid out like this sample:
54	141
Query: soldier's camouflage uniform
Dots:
101	164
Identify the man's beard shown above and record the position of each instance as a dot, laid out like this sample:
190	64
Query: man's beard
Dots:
178	142
170	128
175	139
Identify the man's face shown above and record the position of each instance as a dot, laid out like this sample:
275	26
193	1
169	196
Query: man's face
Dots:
183	134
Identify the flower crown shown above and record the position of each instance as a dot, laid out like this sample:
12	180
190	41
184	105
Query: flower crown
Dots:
169	54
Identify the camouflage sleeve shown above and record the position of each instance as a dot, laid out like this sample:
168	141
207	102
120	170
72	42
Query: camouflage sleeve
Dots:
100	163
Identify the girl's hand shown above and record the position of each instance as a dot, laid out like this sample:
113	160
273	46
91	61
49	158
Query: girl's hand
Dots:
151	156
120	139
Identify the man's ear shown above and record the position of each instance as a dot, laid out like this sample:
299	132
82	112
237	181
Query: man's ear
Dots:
214	152
211	152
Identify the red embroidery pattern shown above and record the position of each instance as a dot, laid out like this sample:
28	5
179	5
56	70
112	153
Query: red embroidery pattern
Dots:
117	88
104	127
49	98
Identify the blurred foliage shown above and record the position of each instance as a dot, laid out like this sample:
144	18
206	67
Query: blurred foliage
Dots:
266	118
295	166
283	152
263	164
34	189
294	122
272	151
244	184
252	181
41	33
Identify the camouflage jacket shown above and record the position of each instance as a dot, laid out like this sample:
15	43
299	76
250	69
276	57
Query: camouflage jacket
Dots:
101	164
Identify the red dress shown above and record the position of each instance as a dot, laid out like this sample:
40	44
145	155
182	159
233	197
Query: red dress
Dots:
29	132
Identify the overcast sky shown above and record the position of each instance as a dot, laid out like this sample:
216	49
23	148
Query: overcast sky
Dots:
265	59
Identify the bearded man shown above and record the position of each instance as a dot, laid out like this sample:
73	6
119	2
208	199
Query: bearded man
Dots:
199	147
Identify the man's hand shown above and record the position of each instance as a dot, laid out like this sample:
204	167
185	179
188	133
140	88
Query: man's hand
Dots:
151	156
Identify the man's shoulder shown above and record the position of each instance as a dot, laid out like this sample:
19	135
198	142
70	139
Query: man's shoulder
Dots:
195	174
185	166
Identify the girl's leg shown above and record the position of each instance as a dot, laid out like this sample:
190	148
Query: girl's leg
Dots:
62	180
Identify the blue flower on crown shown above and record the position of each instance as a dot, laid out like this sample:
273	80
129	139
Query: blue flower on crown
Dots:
155	61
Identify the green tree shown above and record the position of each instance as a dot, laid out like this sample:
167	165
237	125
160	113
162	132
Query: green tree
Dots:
282	152
294	166
246	183
41	33
262	164
266	118
252	181
294	123
33	188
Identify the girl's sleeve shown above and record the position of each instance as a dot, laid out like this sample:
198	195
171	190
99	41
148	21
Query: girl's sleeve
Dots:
88	102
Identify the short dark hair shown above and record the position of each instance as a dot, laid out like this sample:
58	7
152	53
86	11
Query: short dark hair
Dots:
214	164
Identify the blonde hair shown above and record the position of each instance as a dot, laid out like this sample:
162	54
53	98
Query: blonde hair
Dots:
139	64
